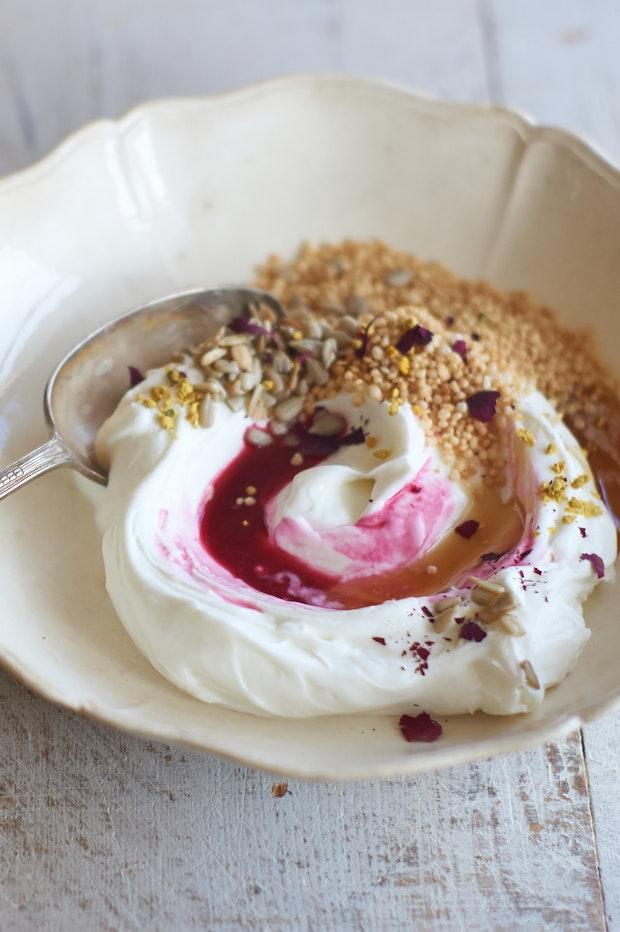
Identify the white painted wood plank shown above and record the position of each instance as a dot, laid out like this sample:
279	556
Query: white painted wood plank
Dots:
107	832
602	741
65	62
560	61
563	65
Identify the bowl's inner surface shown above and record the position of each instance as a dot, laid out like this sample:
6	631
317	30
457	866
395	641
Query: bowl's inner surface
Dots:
463	188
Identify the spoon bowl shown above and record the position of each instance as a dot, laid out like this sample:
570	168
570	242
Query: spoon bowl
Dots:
87	385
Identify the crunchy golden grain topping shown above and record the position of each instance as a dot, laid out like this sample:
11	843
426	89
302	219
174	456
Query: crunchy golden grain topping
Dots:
481	340
371	321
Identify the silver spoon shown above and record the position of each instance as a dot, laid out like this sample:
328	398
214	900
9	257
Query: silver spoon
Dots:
86	386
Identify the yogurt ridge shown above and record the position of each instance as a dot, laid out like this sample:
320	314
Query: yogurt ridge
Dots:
225	642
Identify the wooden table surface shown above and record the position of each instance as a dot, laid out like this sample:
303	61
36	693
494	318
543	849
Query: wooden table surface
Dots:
103	831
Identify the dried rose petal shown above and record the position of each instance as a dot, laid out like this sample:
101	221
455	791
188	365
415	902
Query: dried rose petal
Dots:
353	438
449	321
492	557
421	652
471	631
243	324
419	727
135	376
597	564
460	348
467	529
426	611
380	641
415	336
481	405
583	532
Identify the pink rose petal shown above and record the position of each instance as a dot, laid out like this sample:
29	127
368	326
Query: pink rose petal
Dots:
135	376
597	564
471	631
467	529
481	405
460	348
415	336
419	727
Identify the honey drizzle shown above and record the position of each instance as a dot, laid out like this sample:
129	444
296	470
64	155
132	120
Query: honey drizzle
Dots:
501	528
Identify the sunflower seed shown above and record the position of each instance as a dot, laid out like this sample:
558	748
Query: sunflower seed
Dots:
281	362
242	356
236	388
227	366
246	380
258	437
510	625
234	339
206	412
212	386
329	351
314	328
302	387
530	674
288	410
444	620
294	377
304	345
276	379
482	597
316	372
255	399
260	412
448	602
212	356
485	592
278	428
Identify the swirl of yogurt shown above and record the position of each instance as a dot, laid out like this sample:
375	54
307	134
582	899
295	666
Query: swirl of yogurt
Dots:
225	642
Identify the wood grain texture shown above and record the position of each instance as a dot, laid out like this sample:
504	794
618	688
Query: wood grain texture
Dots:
109	832
102	831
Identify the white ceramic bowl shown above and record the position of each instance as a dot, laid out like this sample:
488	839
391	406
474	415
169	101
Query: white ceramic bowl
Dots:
186	193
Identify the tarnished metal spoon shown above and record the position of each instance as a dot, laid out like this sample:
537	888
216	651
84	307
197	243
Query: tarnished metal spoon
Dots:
86	386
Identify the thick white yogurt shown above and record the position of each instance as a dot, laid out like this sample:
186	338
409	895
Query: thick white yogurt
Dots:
224	642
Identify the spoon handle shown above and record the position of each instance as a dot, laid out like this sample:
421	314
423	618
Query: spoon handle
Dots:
48	456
